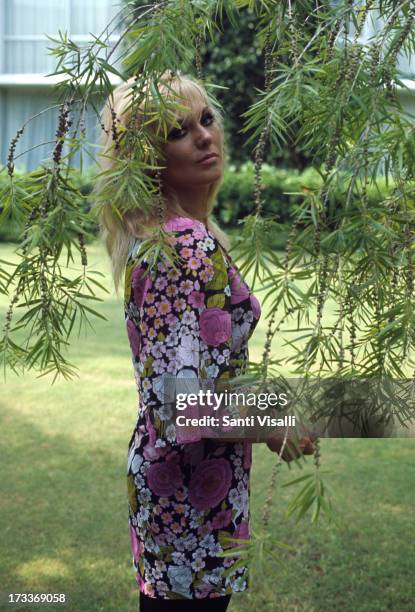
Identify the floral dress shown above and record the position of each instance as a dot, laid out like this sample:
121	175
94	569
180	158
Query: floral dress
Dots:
186	495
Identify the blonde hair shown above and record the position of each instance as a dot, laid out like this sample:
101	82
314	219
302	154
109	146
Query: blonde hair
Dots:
118	232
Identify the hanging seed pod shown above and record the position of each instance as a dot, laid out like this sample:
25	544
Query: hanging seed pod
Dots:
114	130
374	56
317	239
388	66
349	312
332	39
9	313
12	149
268	60
82	128
336	30
338	326
259	159
393	289
378	324
409	278
387	70
349	60
352	341
104	129
365	153
343	82
340	336
362	19
317	453
353	65
161	208
409	270
317	230
270	493
44	297
293	30
267	346
81	241
290	242
321	297
406	30
61	132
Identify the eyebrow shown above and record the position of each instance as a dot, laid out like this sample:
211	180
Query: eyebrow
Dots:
182	120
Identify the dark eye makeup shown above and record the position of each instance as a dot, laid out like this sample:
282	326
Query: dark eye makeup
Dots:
208	117
176	133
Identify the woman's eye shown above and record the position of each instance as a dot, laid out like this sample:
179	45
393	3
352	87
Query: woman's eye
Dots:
208	118
176	133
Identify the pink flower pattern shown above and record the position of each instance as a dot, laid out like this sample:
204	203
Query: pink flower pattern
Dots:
210	483
215	326
222	519
197	299
134	337
241	532
239	289
164	478
186	491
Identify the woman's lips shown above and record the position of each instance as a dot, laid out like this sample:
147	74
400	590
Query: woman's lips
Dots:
209	160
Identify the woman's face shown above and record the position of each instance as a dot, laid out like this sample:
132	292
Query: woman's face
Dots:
193	152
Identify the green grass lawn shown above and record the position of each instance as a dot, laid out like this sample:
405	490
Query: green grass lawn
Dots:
64	503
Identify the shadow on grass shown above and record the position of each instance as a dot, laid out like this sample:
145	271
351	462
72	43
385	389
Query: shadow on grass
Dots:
364	563
64	519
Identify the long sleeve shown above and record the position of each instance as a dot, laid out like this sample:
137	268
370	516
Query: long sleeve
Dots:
179	326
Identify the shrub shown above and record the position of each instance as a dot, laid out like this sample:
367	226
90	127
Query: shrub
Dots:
283	190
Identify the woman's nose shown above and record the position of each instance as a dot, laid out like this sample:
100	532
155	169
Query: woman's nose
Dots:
203	136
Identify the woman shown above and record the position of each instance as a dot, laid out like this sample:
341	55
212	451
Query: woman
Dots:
190	322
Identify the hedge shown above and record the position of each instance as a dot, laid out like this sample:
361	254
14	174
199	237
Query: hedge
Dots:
281	193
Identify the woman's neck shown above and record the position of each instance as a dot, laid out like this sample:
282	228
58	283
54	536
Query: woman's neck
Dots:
195	203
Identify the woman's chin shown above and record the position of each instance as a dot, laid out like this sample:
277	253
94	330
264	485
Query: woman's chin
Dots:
211	175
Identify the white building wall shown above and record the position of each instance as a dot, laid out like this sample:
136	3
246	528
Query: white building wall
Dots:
25	60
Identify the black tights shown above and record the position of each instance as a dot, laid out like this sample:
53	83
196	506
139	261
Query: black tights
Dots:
212	604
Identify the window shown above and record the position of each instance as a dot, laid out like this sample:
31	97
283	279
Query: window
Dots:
23	50
27	21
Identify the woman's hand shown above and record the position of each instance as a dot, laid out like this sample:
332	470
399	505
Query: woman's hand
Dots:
292	449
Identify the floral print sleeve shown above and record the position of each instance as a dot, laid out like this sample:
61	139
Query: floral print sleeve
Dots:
179	326
187	494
